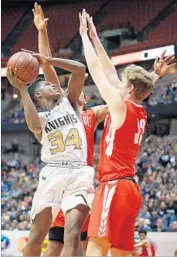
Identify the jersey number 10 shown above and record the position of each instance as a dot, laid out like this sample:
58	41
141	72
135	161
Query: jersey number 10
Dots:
138	136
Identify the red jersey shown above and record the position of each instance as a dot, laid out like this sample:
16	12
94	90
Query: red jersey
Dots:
151	252
89	120
119	147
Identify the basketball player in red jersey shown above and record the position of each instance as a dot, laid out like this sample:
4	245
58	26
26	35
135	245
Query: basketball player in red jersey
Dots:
118	200
147	247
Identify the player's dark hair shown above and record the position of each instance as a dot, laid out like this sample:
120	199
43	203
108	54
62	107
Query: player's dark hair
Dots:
33	87
142	232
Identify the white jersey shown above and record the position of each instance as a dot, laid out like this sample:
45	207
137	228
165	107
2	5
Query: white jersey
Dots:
63	134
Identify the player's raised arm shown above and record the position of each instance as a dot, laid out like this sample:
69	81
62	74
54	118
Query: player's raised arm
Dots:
108	67
31	115
76	80
44	45
110	94
100	112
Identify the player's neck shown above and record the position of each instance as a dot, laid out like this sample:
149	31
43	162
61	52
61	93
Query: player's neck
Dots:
47	104
134	100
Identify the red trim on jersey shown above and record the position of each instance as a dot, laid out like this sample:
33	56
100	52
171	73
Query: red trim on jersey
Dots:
89	121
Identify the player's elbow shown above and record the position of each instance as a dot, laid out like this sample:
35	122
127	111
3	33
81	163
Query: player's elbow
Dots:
81	68
35	129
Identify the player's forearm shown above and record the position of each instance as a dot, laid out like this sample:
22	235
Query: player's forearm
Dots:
92	60
31	115
44	49
106	63
100	112
94	66
68	65
43	43
110	94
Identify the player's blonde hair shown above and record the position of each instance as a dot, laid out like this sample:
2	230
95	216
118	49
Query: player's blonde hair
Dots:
141	79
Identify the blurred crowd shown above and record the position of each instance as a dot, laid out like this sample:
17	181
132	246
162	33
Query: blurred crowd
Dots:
18	185
14	116
156	172
162	95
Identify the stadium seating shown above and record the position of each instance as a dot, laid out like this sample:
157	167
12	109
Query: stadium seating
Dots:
156	38
10	17
63	25
135	12
169	27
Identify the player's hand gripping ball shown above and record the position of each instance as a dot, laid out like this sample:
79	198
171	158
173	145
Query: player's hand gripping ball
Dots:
26	66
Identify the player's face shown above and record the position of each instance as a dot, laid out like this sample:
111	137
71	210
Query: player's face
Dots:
49	91
142	236
124	88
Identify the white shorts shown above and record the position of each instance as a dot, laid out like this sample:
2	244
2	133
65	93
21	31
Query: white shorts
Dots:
63	188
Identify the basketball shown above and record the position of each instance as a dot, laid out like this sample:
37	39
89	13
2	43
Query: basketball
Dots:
27	66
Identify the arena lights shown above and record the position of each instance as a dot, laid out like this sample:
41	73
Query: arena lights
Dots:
15	96
144	55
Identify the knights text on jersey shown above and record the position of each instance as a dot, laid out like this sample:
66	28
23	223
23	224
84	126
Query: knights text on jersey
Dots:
88	118
119	147
63	134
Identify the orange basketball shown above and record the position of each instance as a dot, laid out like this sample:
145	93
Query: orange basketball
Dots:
26	64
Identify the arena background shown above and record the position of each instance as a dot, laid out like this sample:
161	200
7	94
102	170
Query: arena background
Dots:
132	31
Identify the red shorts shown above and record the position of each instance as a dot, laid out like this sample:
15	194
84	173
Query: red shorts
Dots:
115	208
85	227
60	222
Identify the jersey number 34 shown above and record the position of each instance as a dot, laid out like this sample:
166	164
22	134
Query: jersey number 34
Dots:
59	144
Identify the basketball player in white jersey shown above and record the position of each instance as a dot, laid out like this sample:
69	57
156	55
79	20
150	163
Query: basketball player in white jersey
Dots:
65	182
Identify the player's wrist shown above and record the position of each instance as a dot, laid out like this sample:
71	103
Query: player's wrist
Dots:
48	60
155	75
95	39
84	35
42	30
23	89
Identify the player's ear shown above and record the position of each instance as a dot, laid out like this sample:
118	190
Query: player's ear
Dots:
130	88
38	94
